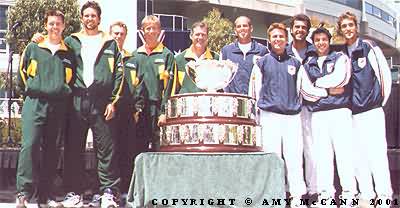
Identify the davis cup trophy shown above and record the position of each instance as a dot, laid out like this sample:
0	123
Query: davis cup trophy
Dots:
210	121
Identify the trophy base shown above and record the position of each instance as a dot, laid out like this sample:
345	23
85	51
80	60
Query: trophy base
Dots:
209	148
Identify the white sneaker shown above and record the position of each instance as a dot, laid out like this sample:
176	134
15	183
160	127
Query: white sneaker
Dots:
72	200
107	200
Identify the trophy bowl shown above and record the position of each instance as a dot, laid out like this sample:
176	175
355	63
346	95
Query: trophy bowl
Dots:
211	75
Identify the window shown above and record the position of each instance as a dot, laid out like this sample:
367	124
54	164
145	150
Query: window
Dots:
376	11
167	22
368	8
144	8
3	27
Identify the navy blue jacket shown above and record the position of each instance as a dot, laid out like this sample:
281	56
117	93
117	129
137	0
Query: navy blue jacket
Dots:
331	101
240	83
279	93
371	84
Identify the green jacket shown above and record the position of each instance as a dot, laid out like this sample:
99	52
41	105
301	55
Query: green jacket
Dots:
183	83
42	74
156	69
107	83
134	88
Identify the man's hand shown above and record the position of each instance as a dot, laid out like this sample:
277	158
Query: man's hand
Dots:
109	112
336	91
37	37
161	119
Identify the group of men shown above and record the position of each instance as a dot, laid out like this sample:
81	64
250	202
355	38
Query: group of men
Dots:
311	100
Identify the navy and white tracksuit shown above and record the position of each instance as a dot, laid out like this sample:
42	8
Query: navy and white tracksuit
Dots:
274	82
331	121
371	81
305	115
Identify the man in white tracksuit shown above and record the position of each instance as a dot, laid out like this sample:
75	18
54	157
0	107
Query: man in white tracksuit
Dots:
331	121
274	82
303	50
371	85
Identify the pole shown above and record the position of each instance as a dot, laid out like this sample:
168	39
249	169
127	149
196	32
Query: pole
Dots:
10	140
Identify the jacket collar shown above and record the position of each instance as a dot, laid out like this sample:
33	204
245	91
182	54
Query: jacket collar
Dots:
310	49
158	49
190	55
253	49
43	44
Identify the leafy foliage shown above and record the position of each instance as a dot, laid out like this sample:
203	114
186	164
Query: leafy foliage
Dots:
31	14
336	37
220	30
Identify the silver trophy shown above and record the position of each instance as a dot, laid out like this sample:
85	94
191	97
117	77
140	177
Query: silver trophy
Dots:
211	75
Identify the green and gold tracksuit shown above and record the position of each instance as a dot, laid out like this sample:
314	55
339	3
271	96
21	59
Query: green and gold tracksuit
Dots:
182	82
87	111
44	80
133	98
156	68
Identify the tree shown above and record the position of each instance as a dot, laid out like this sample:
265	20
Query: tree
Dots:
220	30
31	15
336	37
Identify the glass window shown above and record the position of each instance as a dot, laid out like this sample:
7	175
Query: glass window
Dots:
166	22
185	27
3	17
376	11
385	16
2	41
149	7
178	23
368	8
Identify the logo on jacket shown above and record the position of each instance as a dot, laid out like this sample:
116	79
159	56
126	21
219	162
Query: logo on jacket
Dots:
291	70
329	67
130	65
110	52
362	62
67	61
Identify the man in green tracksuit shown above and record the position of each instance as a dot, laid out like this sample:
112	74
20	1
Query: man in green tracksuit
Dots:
155	63
95	93
197	51
46	69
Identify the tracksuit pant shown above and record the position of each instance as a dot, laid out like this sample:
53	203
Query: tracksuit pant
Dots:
282	134
371	154
333	137
43	122
84	115
309	163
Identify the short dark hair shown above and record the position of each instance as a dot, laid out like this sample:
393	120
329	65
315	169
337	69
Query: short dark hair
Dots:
300	17
53	12
200	24
321	29
91	4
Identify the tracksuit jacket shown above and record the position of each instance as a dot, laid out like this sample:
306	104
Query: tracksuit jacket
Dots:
156	69
331	75
107	83
41	77
371	78
279	90
240	83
